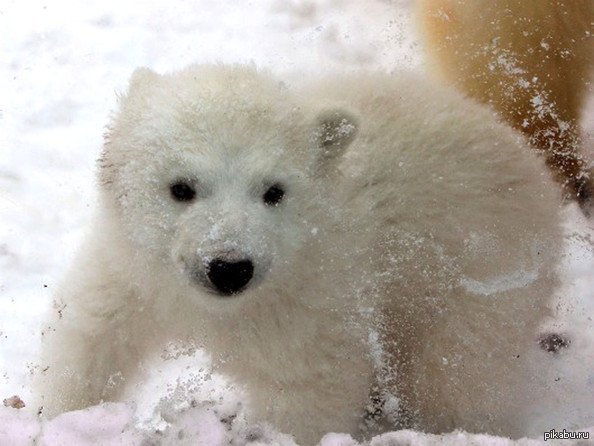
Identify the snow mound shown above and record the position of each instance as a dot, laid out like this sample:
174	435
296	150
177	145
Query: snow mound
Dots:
116	424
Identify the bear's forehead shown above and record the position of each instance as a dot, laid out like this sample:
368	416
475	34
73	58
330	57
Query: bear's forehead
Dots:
222	140
219	156
193	121
220	133
215	118
237	154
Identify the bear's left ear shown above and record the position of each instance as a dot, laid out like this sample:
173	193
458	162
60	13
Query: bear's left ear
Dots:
335	130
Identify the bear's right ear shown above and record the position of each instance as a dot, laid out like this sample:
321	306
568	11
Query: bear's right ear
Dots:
335	130
141	80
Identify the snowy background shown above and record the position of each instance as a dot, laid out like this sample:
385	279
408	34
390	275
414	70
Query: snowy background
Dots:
62	63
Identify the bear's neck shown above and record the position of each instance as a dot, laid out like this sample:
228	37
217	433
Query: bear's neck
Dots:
295	361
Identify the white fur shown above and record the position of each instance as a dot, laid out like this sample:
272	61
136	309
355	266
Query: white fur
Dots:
412	220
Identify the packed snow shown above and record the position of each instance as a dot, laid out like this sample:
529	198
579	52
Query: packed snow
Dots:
63	62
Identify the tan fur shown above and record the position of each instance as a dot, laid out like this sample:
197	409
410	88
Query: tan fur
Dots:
530	59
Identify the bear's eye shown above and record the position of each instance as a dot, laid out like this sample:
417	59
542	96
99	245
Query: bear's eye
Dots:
274	195
182	191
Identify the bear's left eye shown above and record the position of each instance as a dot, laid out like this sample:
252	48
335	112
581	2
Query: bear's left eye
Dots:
182	191
274	195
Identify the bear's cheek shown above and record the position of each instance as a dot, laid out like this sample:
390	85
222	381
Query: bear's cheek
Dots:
145	219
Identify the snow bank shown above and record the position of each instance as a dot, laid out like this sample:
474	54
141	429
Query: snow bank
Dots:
115	424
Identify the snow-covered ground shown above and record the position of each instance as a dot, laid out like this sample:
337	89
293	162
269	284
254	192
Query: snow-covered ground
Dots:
62	63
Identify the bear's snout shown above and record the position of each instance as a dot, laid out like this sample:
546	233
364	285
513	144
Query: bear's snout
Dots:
230	277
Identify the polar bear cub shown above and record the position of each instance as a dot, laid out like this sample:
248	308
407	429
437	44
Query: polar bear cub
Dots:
324	242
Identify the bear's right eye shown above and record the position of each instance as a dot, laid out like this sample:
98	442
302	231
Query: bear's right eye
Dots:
182	191
274	195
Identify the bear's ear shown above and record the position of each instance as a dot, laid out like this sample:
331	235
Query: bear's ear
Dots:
335	130
141	80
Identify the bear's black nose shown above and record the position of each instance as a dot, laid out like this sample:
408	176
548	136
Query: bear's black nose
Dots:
230	277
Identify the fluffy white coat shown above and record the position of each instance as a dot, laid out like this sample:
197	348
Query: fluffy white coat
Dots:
411	258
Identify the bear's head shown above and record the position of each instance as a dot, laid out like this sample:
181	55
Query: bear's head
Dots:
221	177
